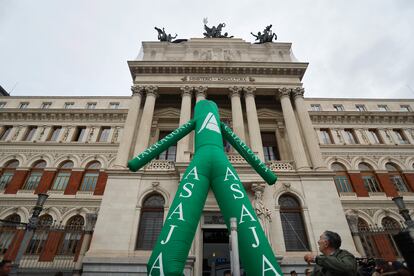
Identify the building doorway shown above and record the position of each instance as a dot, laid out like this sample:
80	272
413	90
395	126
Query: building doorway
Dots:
216	254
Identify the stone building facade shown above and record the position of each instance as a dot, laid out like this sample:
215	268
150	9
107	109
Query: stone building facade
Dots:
339	161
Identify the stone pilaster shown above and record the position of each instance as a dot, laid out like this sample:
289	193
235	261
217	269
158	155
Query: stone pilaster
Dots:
236	111
308	130
201	93
295	140
253	122
185	115
146	119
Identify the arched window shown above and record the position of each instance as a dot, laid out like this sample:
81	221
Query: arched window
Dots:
90	178
73	235
395	176
341	179
7	231
35	175
367	239
37	243
62	176
151	221
370	181
294	231
8	173
391	227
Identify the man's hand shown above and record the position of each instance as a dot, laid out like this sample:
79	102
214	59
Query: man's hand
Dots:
309	258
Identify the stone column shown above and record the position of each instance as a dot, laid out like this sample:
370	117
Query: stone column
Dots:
185	115
236	111
201	93
130	127
146	120
308	130
295	140
253	122
353	225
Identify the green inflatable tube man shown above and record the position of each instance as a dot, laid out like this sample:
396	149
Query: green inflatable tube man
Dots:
209	168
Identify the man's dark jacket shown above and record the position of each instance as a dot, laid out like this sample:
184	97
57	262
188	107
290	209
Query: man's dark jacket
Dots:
340	263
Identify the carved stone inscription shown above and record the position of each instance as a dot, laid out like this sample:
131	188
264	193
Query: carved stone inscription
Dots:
216	78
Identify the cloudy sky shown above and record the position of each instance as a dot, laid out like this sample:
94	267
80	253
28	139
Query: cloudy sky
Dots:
81	47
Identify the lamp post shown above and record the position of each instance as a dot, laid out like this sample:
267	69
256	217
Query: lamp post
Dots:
405	239
30	228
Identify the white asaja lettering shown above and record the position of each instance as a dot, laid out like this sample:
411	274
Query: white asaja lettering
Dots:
210	123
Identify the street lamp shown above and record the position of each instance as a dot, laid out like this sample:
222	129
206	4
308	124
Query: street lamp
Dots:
30	228
399	201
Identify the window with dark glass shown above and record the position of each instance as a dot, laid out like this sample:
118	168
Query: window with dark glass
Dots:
316	107
90	105
38	241
113	105
294	232
151	221
69	105
360	107
90	178
269	146
402	139
34	177
2	104
23	105
368	176
343	185
31	130
8	173
7	232
73	234
383	107
46	105
375	136
79	134
339	107
405	108
171	152
350	136
62	176
325	136
396	178
5	133
55	133
391	227
104	134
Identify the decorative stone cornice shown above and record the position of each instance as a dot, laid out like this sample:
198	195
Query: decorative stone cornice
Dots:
284	92
298	92
357	117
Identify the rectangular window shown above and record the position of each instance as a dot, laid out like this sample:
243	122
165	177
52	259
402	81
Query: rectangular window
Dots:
113	105
405	108
46	105
33	181
5	133
61	181
2	104
30	133
350	136
371	184
400	136
375	136
5	179
316	107
104	134
171	152
23	105
68	105
269	146
79	134
339	107
360	107
342	184
383	107
90	105
399	183
89	182
55	133
325	136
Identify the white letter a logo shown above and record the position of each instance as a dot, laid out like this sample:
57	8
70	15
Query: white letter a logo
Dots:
210	123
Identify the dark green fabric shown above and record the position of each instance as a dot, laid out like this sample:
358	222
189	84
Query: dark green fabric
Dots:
341	263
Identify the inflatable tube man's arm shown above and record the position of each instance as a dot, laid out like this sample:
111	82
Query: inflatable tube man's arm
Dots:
154	150
247	154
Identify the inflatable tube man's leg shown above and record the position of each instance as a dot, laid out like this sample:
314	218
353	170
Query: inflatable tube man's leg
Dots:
256	255
174	242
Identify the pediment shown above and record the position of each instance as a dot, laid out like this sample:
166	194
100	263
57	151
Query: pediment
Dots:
168	112
266	113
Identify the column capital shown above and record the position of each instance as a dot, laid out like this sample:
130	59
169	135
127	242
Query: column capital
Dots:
137	89
235	91
284	92
201	90
186	91
249	91
298	92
